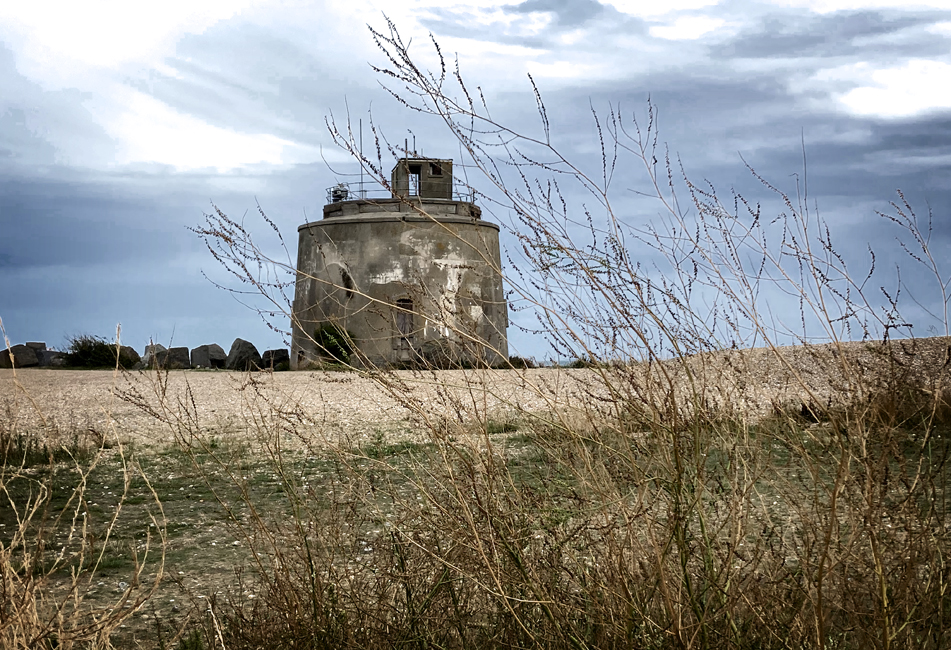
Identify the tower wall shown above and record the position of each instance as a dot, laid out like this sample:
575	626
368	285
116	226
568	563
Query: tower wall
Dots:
412	280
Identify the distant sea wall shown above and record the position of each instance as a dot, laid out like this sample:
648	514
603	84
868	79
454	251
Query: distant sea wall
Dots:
243	355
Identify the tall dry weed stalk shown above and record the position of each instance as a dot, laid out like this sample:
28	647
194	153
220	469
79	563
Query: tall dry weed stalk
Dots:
50	552
690	492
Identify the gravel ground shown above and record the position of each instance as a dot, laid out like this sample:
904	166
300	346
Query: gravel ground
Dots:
335	406
329	405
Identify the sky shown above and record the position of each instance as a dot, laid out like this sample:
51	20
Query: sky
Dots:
122	124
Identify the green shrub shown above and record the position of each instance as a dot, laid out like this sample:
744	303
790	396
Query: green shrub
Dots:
520	363
88	351
334	342
582	362
193	641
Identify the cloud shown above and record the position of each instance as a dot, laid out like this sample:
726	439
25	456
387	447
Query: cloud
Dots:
42	127
918	86
565	12
687	28
830	6
647	8
78	219
861	33
19	141
57	40
152	131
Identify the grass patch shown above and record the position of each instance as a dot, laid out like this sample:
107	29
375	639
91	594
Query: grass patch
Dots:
495	427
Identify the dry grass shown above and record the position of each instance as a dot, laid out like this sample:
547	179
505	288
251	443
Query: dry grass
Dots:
55	544
551	507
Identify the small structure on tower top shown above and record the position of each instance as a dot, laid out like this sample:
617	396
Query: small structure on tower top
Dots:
423	177
412	277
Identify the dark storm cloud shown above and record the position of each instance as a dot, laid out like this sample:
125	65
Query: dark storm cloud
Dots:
52	213
847	183
84	245
84	251
76	219
922	135
711	124
843	33
851	166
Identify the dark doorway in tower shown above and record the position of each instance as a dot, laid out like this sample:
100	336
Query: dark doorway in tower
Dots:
404	328
415	172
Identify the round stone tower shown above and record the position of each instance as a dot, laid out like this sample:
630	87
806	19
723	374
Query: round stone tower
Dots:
412	278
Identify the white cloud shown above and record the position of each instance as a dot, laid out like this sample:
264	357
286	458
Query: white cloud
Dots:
917	87
686	28
942	28
56	40
828	6
911	88
148	130
563	70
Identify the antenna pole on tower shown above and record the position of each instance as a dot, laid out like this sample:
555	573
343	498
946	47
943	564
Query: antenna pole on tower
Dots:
363	193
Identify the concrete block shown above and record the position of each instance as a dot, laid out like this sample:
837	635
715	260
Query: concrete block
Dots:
148	357
127	352
243	356
272	359
20	355
52	358
173	359
211	355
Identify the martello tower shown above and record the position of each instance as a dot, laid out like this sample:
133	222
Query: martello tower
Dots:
413	277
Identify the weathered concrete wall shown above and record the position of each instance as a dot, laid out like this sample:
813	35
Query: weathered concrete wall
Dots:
408	281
